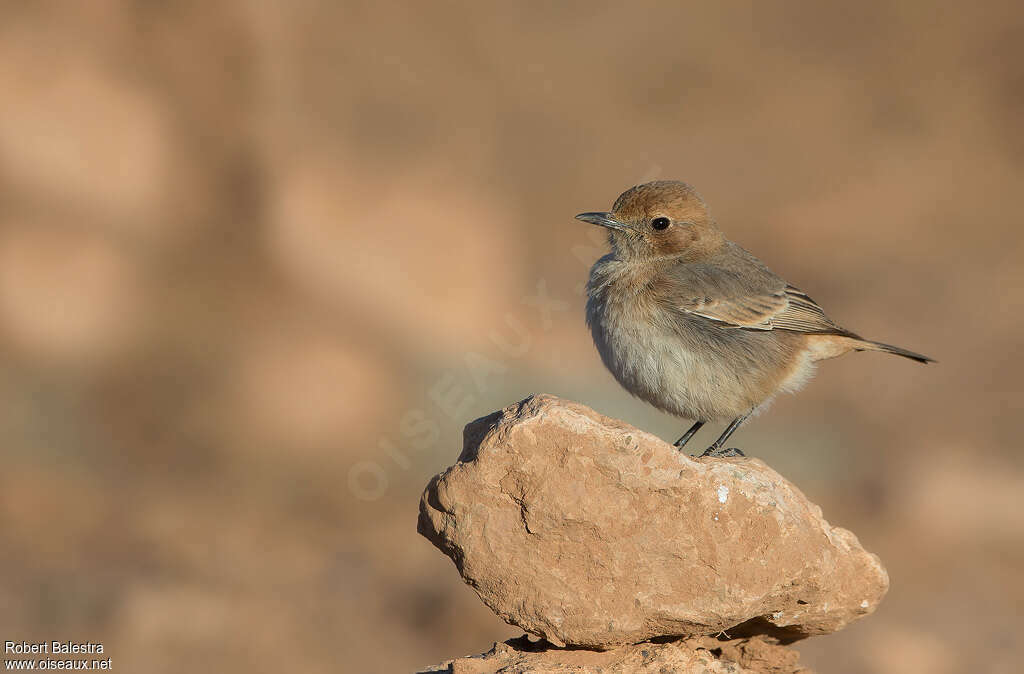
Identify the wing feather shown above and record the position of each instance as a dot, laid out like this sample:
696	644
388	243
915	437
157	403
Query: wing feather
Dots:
736	290
786	309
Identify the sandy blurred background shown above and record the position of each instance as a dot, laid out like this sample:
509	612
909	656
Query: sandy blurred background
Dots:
260	262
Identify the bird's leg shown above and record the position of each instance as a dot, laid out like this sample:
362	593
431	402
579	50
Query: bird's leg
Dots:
688	434
715	450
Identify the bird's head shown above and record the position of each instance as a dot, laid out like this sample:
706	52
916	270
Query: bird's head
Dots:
665	218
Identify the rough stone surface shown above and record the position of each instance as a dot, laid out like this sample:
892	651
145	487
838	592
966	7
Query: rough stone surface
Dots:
702	655
587	531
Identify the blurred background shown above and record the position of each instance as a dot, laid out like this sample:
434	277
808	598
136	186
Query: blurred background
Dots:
261	261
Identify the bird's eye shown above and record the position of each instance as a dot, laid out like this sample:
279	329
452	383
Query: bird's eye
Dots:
660	223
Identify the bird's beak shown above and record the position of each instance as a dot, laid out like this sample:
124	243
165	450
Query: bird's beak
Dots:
603	219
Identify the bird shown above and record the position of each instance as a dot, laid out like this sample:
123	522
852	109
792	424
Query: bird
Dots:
694	324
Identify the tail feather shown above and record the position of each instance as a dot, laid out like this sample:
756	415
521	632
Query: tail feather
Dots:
868	345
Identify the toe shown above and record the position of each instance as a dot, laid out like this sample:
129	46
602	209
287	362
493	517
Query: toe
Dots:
719	453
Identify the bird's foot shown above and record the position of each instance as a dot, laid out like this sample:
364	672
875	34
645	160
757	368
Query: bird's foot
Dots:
719	453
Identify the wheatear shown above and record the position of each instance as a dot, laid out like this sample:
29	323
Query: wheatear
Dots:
695	325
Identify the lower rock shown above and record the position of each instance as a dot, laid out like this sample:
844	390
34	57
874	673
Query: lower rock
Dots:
702	655
586	531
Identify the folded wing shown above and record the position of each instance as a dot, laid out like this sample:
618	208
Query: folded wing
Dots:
787	309
741	293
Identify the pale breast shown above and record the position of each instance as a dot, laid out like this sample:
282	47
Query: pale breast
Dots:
659	355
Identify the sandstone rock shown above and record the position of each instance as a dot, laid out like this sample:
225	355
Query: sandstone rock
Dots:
587	531
701	655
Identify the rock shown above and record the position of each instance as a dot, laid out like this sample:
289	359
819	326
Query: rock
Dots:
701	655
587	531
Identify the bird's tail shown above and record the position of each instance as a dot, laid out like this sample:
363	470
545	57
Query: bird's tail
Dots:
868	345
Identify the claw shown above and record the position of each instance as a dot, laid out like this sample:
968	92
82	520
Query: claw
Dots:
719	453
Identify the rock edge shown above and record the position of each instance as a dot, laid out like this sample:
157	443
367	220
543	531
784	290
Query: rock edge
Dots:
702	655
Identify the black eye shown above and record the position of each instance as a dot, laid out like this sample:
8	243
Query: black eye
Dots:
660	223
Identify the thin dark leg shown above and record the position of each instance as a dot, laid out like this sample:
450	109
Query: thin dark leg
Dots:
716	448
689	434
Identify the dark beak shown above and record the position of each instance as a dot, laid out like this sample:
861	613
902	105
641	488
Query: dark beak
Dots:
603	219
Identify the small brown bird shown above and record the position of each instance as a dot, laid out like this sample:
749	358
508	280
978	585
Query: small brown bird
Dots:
695	325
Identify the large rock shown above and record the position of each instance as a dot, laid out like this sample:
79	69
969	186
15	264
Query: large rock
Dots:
701	655
587	531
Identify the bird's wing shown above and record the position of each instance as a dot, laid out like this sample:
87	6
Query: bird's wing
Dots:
737	291
786	308
755	312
